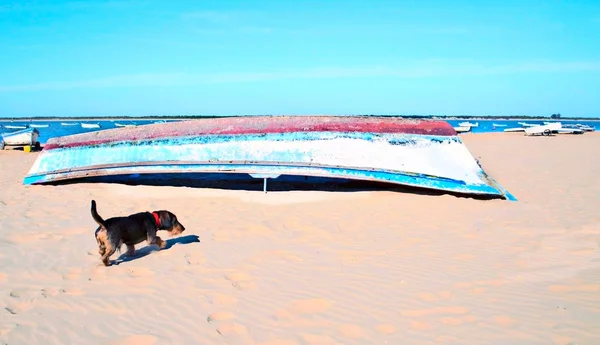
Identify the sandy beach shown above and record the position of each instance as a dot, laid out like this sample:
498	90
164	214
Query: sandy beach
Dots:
316	267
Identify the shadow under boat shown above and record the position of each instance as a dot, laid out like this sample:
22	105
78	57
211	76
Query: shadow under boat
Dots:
283	183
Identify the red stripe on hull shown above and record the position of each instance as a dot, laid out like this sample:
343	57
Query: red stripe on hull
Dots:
255	125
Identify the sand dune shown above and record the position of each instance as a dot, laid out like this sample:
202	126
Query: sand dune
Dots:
311	267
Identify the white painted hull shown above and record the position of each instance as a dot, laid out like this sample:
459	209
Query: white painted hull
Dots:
584	128
21	138
462	129
570	131
525	124
90	125
544	129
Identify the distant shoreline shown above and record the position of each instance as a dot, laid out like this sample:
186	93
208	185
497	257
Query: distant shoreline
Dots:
175	117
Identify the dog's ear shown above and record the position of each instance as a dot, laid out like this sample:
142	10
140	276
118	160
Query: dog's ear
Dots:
167	219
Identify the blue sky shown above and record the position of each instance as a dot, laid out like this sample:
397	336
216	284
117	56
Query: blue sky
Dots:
149	57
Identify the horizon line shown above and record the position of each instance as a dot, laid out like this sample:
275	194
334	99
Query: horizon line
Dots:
430	116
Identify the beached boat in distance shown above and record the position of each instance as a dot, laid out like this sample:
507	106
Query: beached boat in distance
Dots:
462	129
469	124
24	137
567	130
418	153
584	128
68	123
543	129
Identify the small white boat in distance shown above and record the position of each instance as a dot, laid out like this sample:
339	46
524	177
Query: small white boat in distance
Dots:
498	125
28	136
35	125
68	123
525	124
90	125
543	129
14	127
462	129
125	125
469	124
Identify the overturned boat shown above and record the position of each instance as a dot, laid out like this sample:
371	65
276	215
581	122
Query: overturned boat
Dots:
418	153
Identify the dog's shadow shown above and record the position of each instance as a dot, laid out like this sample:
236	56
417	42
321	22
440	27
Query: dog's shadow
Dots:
140	253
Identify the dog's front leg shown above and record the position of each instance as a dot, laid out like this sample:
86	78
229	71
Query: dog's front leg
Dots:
153	239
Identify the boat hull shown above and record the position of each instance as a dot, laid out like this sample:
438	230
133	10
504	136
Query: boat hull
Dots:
28	136
543	129
462	129
425	154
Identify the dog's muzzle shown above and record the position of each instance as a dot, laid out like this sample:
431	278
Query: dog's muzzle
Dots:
177	230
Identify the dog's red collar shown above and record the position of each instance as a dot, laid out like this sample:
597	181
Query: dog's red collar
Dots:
156	219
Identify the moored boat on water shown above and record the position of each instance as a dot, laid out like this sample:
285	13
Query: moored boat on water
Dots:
525	124
90	125
469	124
418	153
15	127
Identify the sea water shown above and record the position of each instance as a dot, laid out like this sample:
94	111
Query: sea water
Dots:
57	129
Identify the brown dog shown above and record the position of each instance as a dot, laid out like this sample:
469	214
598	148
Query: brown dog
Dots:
131	230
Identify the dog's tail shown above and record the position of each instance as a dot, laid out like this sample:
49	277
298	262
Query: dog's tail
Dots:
96	216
